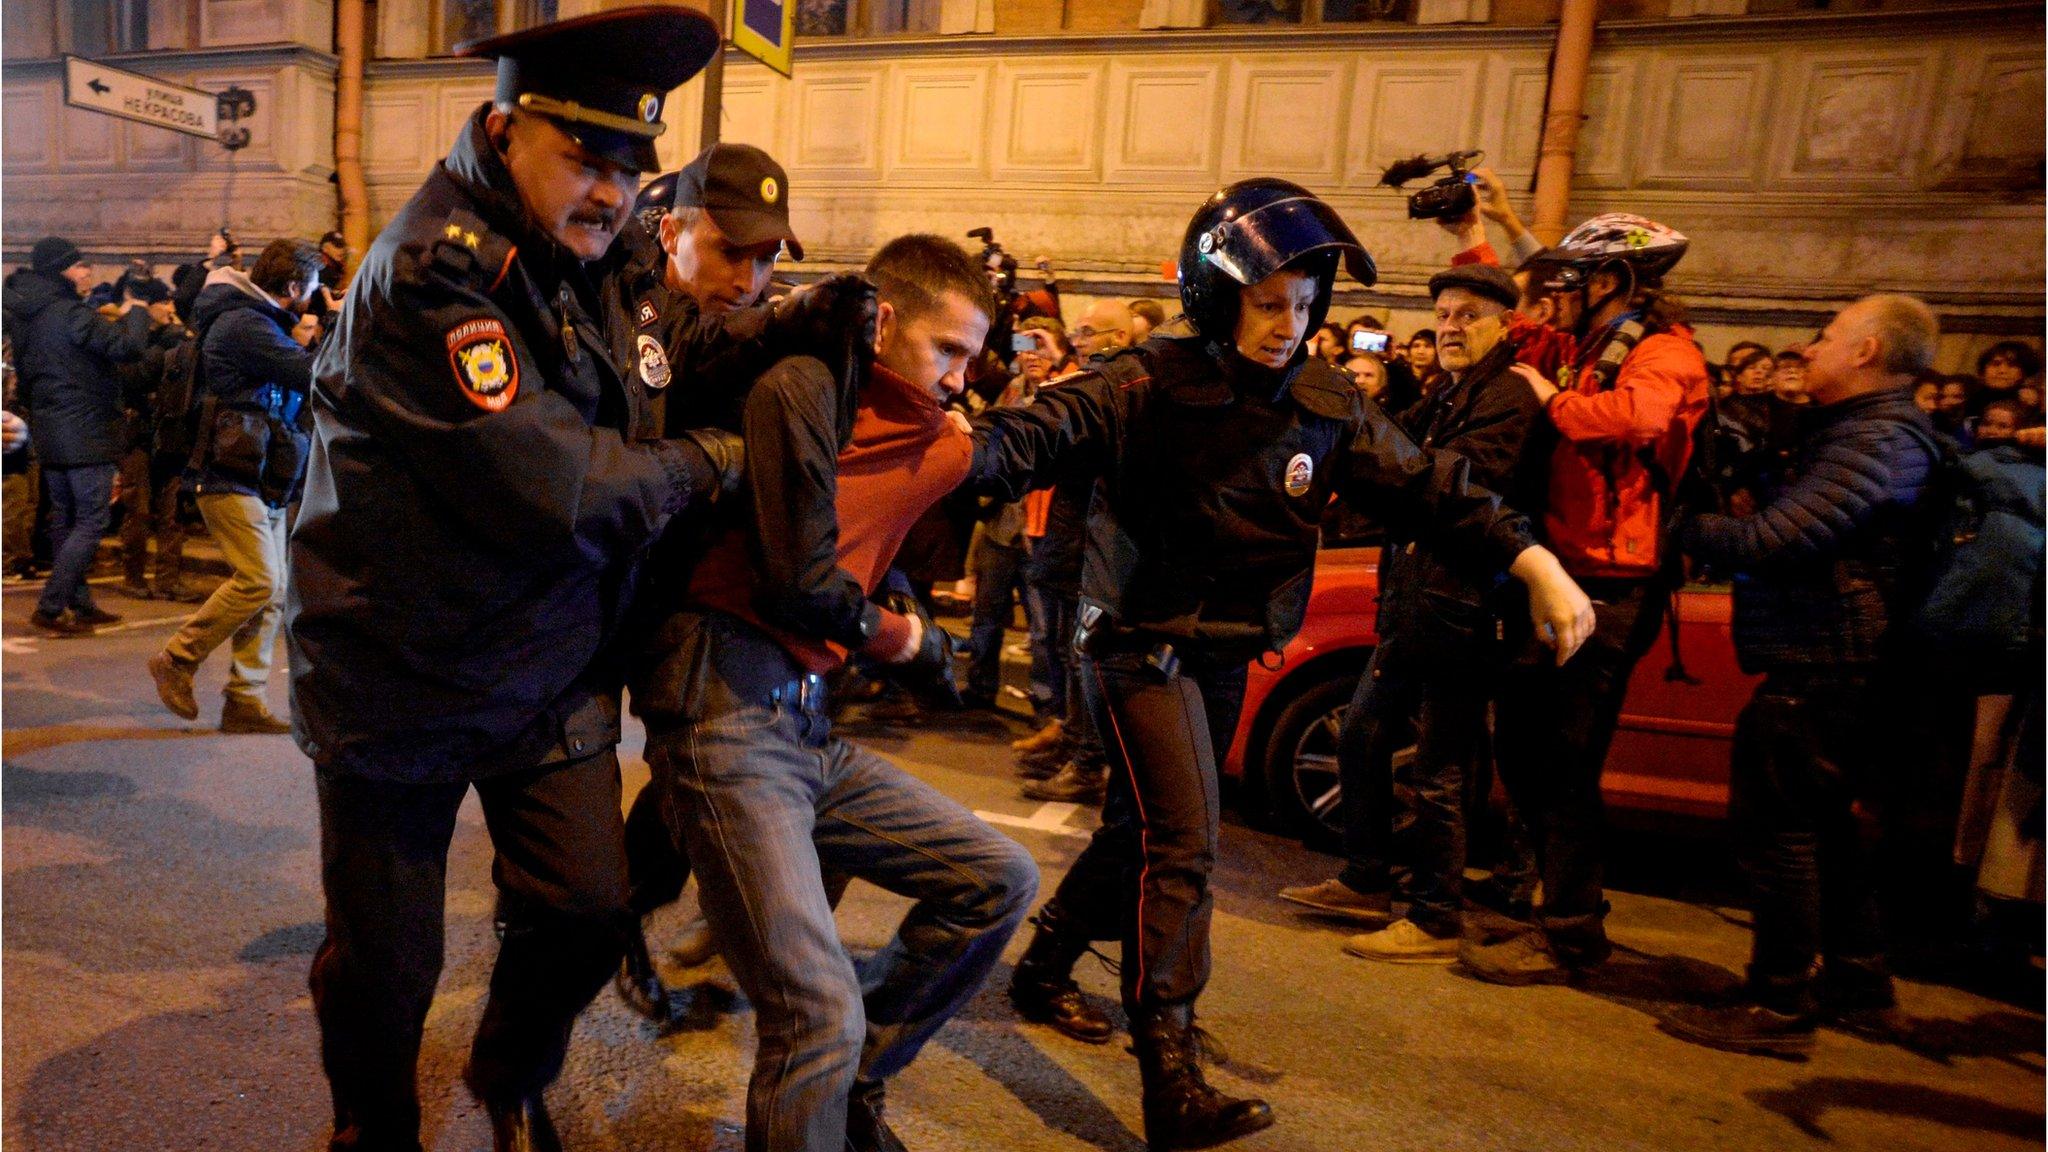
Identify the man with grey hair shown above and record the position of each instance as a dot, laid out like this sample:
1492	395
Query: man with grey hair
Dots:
1820	572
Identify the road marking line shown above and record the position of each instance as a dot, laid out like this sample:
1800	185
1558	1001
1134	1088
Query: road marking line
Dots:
1049	818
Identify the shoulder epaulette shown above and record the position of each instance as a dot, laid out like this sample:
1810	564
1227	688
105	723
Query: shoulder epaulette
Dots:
1325	391
466	249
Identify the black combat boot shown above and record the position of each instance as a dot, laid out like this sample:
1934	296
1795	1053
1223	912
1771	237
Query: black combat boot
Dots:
638	983
1043	988
1181	1110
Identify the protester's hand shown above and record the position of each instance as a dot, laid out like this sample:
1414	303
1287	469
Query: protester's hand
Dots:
726	453
928	671
1493	199
959	420
13	432
1558	606
1542	387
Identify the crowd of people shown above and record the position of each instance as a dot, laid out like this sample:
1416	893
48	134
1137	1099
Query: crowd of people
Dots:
564	444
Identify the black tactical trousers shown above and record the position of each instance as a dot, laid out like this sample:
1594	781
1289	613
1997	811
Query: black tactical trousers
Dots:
655	861
561	878
1554	726
1807	747
1144	877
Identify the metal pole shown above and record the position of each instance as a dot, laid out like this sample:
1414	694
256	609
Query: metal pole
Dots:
1562	118
714	83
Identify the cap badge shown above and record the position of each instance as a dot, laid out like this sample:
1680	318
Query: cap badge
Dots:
481	355
650	107
653	362
769	189
1300	470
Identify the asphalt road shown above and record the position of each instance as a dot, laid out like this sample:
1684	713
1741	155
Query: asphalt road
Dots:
161	904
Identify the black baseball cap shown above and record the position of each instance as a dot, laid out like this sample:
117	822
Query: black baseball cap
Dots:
744	189
603	78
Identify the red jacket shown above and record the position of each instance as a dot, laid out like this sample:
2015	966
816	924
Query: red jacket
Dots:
1606	502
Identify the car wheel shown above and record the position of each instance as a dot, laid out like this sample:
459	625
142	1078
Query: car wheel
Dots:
1301	778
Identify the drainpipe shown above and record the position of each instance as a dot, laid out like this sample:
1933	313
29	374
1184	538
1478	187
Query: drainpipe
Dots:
1562	117
348	128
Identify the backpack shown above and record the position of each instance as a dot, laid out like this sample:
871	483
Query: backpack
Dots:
178	397
1979	606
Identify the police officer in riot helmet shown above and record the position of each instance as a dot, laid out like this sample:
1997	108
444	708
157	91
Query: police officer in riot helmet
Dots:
1216	452
486	474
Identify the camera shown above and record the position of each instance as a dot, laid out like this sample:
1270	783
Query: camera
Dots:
1001	266
1372	342
1023	342
1446	199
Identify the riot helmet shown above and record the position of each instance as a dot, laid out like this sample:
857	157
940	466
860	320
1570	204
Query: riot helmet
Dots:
1248	231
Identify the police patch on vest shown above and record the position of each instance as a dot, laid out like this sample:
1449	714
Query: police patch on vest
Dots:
646	312
481	355
653	363
1300	471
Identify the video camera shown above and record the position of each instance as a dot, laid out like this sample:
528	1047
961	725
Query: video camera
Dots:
1002	267
1448	198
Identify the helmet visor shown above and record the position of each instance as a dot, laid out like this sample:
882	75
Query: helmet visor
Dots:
1267	239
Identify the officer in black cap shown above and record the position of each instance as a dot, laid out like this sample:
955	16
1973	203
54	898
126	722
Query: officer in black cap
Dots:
1446	633
1218	453
486	474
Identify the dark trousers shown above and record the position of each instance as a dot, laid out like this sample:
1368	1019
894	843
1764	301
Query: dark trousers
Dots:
1807	747
1445	699
1084	743
80	500
149	498
1555	726
656	865
998	587
561	879
1144	877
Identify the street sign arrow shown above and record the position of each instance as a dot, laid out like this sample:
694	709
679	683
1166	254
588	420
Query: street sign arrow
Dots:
143	99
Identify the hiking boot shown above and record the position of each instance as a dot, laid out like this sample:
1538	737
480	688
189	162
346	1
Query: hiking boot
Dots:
1043	989
1742	1027
1181	1109
1336	898
1403	942
1525	958
60	625
1045	737
1040	763
1074	783
250	718
867	1130
174	685
94	616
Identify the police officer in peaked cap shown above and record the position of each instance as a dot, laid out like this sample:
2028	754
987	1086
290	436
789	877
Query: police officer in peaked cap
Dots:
486	476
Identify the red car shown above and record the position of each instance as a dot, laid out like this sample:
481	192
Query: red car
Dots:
1670	754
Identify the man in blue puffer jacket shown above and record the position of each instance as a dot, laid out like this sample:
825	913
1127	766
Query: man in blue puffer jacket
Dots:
253	377
1825	578
66	354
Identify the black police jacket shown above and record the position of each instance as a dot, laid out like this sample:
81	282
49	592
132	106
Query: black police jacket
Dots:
479	492
1489	416
64	356
1214	476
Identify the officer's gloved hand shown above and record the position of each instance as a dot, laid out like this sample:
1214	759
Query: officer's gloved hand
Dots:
929	673
833	319
724	451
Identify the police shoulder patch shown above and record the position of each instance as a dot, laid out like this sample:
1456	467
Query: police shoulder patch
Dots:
481	354
654	370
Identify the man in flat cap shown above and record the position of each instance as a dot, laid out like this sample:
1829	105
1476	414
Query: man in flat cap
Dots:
1445	633
486	474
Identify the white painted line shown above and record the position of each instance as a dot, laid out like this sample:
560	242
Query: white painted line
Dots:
1049	818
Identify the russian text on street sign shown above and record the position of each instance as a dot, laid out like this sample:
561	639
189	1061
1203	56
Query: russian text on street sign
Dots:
764	31
143	99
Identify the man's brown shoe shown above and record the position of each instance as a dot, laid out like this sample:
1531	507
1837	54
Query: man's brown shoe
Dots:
1045	737
174	685
1336	898
61	625
250	718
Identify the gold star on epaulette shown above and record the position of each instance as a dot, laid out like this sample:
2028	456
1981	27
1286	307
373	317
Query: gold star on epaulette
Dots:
453	232
470	238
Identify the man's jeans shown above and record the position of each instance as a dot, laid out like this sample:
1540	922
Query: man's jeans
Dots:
249	604
1807	746
80	508
768	801
998	585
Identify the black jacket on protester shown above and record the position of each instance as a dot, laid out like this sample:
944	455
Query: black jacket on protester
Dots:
1829	561
255	377
65	355
1489	416
1215	473
483	485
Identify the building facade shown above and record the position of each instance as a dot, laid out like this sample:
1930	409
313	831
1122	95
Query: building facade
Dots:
1811	155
